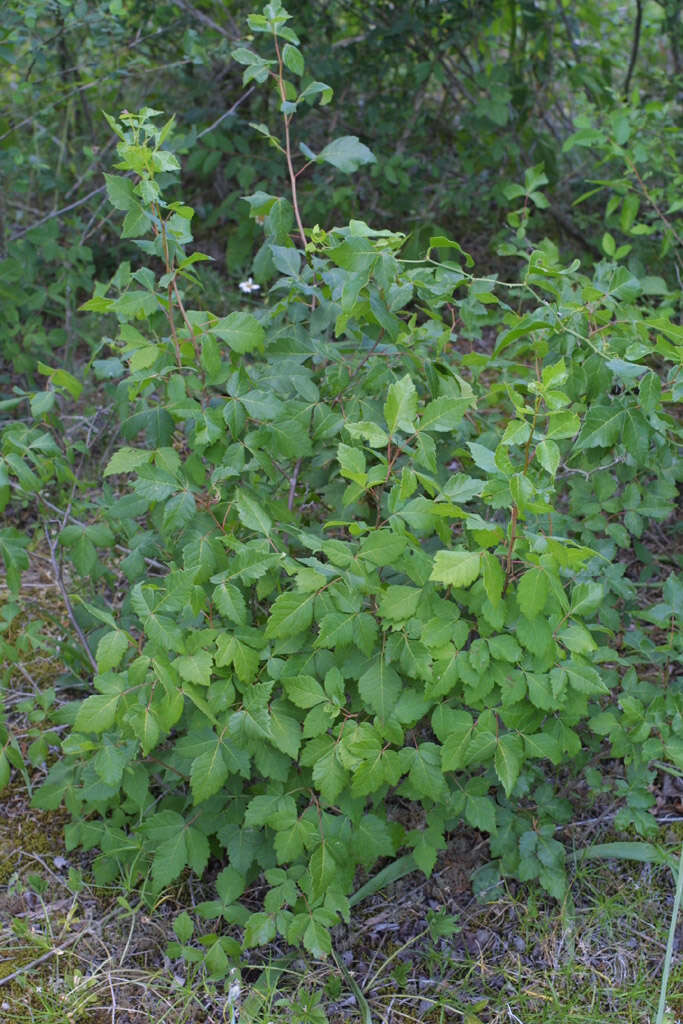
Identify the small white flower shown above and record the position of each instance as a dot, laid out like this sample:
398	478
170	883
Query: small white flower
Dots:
249	286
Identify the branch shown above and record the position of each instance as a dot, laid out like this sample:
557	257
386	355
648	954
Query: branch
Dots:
634	46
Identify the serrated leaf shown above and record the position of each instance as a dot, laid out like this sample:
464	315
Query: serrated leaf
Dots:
586	598
457	568
195	668
230	602
532	592
380	688
383	547
505	648
601	428
242	332
508	760
323	868
110	649
494	578
290	613
563	424
259	930
170	857
120	192
444	414
125	460
208	773
97	713
251	514
584	677
480	813
368	431
459	725
335	630
577	638
304	691
398	603
542	745
317	939
400	407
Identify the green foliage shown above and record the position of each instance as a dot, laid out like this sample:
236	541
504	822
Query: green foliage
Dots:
371	529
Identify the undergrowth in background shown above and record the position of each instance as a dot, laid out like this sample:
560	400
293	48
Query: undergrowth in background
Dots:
386	552
456	100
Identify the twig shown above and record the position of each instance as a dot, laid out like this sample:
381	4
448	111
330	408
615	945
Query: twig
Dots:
57	569
57	213
227	113
204	18
288	144
292	485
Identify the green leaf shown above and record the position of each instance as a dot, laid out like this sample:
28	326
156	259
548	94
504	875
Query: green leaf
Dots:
5	771
208	773
457	568
584	677
121	192
563	424
542	745
259	930
480	813
317	939
535	634
170	858
586	598
251	514
292	58
459	725
399	603
532	592
230	602
505	648
444	414
125	460
323	868
368	431
383	547
335	630
400	407
548	454
380	688
110	649
577	638
97	713
290	613
304	691
347	154
494	578
195	668
241	331
601	428
508	760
